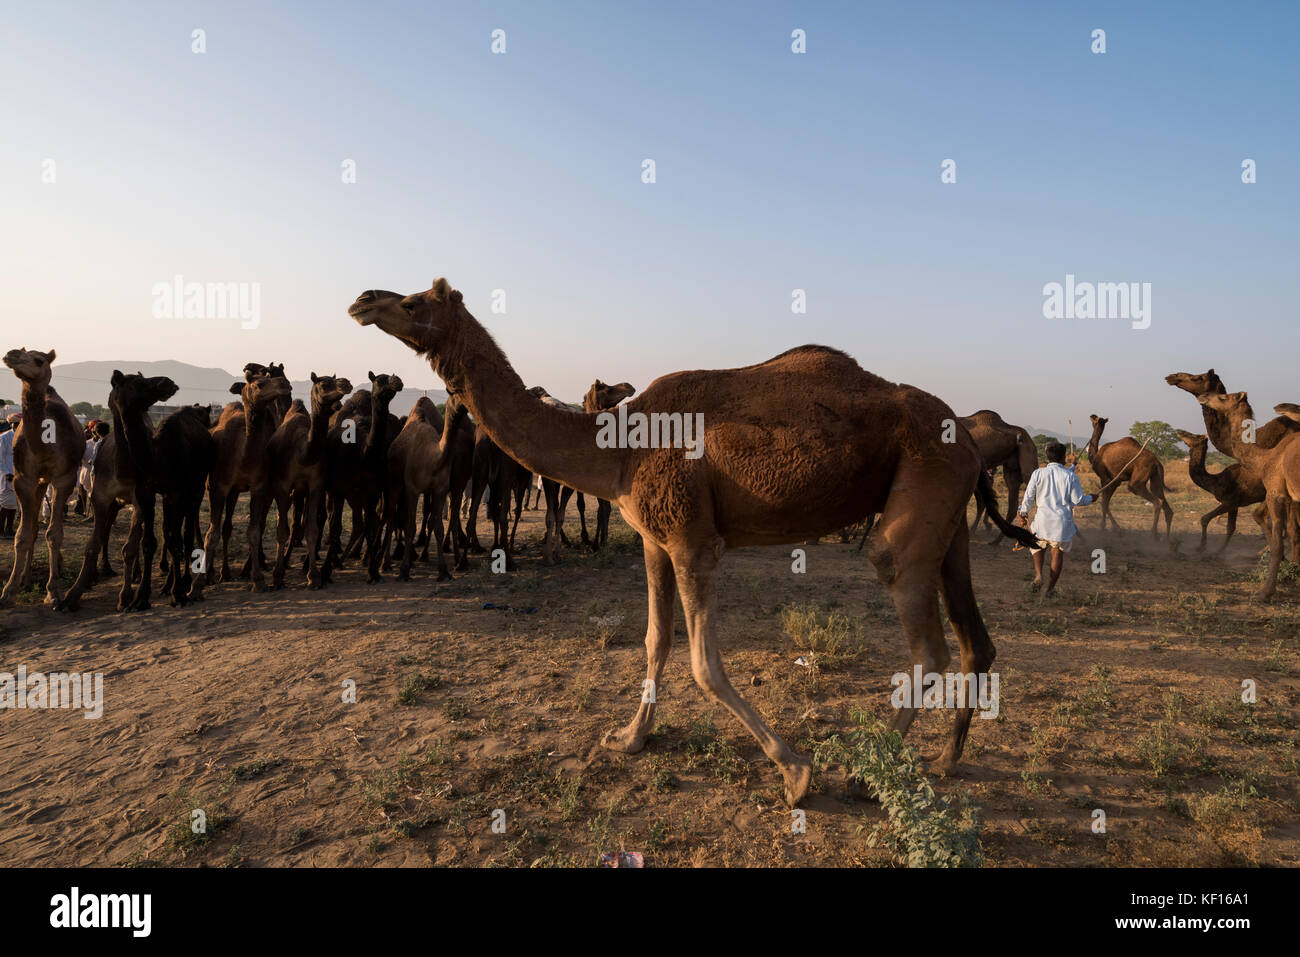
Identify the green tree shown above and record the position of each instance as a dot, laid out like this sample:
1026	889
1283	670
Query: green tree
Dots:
1160	437
89	409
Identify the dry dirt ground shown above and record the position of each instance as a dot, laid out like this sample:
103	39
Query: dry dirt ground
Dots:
1121	693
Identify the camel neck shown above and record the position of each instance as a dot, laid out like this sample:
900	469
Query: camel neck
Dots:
377	435
137	438
34	401
318	431
558	444
1248	453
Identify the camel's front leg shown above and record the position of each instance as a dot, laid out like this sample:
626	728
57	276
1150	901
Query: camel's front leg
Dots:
696	572
145	508
1277	513
28	508
130	558
658	642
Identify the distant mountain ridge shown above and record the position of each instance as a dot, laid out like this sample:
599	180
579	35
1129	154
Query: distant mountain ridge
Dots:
88	382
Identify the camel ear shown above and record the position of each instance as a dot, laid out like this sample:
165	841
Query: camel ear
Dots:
313	378
236	388
440	288
116	379
456	296
50	356
372	376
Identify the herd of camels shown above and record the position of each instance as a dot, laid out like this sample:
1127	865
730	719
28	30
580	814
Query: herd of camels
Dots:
799	446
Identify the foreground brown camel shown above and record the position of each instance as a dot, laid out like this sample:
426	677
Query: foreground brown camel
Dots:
48	446
1124	460
793	448
1008	446
240	437
297	455
126	474
1233	487
1278	467
1266	437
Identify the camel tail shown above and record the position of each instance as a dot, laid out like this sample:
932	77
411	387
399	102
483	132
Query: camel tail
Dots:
984	492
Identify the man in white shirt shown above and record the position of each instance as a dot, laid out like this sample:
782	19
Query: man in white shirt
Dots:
1056	491
8	500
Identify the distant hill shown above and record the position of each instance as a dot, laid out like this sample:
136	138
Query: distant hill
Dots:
88	382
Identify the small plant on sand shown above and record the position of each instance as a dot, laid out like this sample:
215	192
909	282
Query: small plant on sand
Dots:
832	637
923	829
704	748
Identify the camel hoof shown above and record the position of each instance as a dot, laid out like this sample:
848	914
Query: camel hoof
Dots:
259	586
798	776
625	740
942	765
445	577
1265	595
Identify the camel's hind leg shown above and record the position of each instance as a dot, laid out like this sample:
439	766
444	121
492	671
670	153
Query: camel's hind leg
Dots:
1106	496
907	556
977	651
658	642
696	572
1208	517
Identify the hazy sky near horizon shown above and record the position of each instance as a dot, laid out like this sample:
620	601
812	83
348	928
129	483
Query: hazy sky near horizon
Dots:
775	171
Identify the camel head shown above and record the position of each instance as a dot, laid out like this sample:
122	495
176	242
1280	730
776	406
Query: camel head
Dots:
1204	384
263	391
601	396
386	386
135	393
1191	440
1288	409
254	369
30	365
326	390
425	321
1232	404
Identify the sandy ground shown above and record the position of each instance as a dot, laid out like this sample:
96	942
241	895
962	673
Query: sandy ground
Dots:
1121	693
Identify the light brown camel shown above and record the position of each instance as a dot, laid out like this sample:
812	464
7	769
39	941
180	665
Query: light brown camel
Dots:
418	462
125	474
1002	445
241	436
1266	436
793	448
1233	487
1278	467
1125	460
48	446
297	455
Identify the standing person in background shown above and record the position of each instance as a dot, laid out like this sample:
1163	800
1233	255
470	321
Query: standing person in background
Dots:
8	499
96	430
1056	491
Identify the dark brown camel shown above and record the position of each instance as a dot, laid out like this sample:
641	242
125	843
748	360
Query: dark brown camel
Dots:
1003	445
186	453
1125	460
126	474
1233	487
793	448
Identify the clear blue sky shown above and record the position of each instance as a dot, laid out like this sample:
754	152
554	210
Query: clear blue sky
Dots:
775	171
